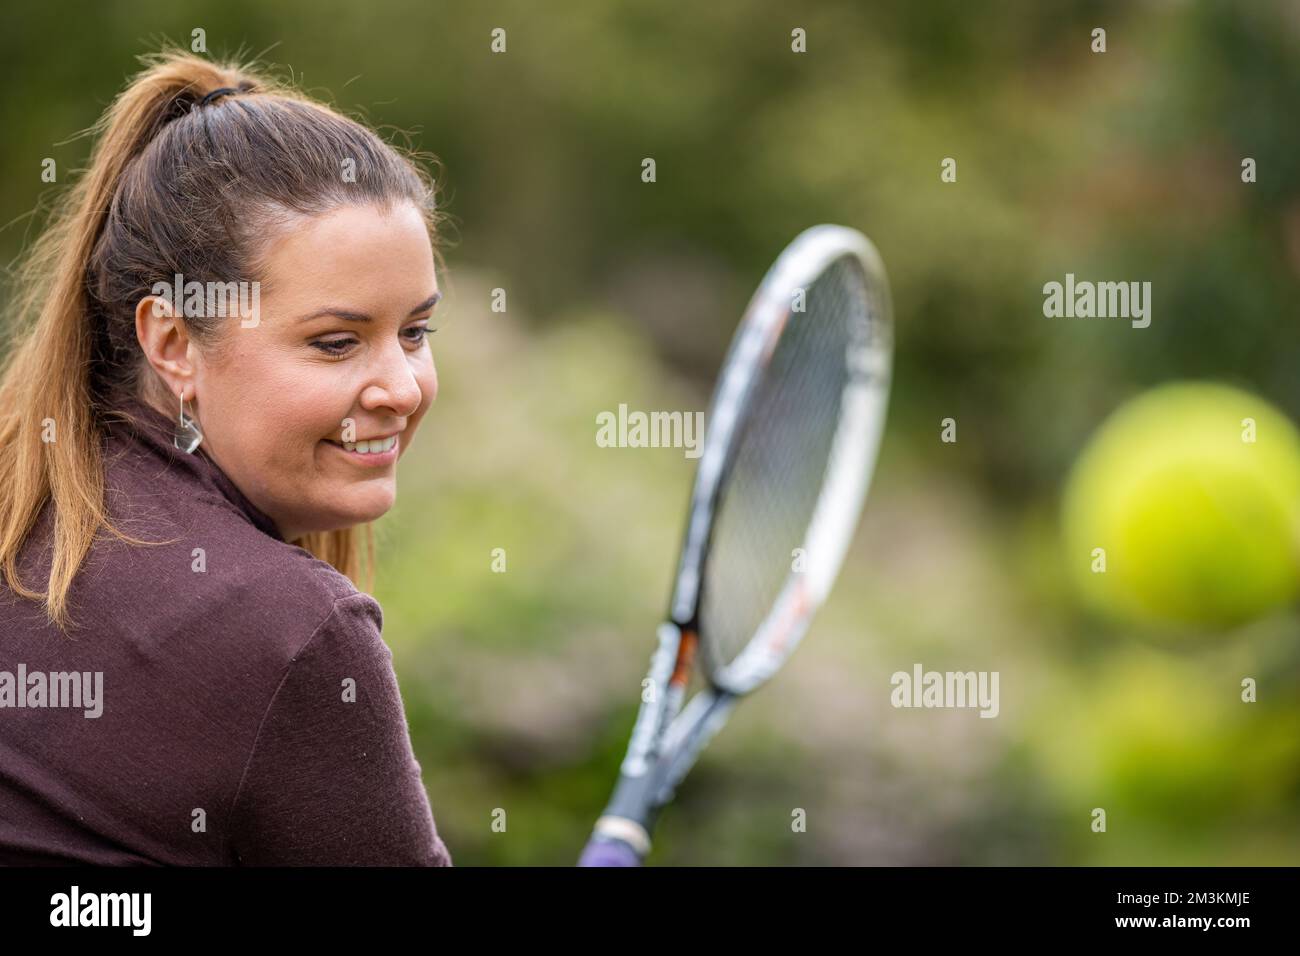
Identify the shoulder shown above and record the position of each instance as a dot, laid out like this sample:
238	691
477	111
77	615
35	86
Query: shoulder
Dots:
206	570
332	779
280	594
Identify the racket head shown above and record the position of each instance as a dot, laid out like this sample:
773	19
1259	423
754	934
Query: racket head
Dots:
794	428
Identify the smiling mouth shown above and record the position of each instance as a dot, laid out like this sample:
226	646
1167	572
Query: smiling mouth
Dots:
374	446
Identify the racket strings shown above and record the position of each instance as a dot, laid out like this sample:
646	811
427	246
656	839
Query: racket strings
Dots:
780	464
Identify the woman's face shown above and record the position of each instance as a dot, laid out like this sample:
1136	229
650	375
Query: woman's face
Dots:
338	352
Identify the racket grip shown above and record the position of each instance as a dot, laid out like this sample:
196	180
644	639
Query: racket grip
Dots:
609	853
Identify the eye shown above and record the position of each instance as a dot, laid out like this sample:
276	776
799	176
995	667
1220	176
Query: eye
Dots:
335	347
422	332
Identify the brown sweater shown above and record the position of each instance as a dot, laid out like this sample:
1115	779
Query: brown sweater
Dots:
227	701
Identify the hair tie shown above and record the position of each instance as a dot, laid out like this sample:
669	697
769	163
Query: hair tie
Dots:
216	93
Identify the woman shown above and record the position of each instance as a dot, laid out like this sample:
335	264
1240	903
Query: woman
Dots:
223	358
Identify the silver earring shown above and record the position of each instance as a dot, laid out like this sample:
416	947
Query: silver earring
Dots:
187	435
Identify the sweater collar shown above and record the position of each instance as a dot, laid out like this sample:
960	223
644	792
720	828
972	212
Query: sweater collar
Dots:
140	424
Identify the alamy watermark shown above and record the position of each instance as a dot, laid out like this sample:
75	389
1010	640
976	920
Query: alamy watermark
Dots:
635	429
72	689
1100	300
212	299
946	689
130	910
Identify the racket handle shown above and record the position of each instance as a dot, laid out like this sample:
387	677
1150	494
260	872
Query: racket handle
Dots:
609	853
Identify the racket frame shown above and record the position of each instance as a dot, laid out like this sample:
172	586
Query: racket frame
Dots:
667	739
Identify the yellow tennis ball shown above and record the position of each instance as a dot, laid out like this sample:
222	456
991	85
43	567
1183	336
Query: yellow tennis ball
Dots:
1184	509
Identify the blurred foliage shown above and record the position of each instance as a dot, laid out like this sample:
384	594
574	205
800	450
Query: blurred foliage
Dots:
1124	165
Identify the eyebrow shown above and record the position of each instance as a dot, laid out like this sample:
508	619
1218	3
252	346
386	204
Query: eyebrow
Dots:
351	316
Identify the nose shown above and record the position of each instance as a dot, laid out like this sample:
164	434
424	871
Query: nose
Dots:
393	385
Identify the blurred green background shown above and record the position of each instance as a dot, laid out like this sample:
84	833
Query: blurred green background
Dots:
521	687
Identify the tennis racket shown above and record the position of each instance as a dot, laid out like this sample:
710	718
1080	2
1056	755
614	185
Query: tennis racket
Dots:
794	426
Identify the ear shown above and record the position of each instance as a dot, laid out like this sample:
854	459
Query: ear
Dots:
166	344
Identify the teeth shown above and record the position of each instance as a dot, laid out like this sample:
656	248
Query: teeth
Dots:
373	446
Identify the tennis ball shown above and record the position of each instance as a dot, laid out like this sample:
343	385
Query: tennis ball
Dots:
1191	491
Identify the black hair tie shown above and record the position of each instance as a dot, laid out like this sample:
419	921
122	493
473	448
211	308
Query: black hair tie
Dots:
216	93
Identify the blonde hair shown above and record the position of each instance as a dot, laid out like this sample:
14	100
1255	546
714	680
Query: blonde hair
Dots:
173	185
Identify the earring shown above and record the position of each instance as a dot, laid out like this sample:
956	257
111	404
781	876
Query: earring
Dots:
187	435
